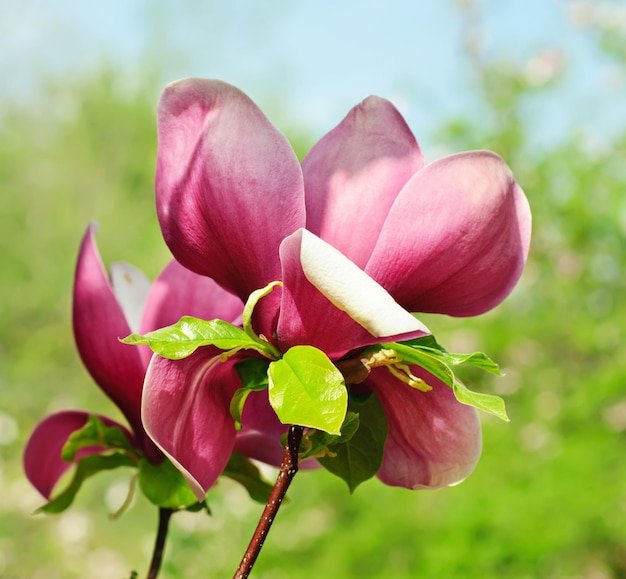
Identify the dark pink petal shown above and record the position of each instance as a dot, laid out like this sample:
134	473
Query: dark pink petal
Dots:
186	411
329	303
353	175
98	324
43	464
457	237
229	187
434	441
179	292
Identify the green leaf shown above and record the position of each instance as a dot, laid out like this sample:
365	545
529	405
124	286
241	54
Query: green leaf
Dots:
486	402
96	433
360	458
315	442
253	375
253	299
438	363
188	334
306	389
164	485
242	470
85	468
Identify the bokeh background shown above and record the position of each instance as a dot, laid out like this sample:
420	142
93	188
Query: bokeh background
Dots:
541	82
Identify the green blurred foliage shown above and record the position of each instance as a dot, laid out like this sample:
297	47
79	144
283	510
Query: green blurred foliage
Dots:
547	500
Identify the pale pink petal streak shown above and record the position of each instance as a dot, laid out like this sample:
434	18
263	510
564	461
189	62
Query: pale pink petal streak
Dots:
98	324
434	441
353	175
457	237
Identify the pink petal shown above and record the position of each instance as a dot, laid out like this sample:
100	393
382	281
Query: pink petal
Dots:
434	441
186	411
325	315
457	237
353	175
229	186
43	464
179	292
98	323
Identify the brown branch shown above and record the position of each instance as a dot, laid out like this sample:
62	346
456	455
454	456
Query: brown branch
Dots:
288	469
159	544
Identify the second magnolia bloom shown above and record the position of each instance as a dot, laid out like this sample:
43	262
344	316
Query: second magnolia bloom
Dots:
451	237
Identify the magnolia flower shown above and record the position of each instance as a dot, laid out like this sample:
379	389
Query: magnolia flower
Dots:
105	309
361	233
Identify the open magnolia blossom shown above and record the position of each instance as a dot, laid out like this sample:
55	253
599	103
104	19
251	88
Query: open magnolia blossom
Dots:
361	233
105	309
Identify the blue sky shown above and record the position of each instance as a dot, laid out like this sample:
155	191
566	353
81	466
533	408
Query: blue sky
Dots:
306	62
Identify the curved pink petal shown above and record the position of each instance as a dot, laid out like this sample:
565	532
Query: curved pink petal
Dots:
186	411
98	324
457	237
229	187
335	324
179	292
354	173
434	440
43	464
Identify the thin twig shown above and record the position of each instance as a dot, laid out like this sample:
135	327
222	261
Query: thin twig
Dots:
159	543
288	469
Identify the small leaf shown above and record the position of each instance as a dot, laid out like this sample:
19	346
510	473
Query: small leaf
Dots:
242	470
164	485
306	389
96	433
85	468
188	334
477	359
253	375
316	441
253	299
486	402
438	362
361	457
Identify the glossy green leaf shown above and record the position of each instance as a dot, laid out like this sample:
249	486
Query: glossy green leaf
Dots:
486	402
96	433
360	458
85	468
315	442
438	363
188	334
253	375
306	389
164	485
242	470
253	299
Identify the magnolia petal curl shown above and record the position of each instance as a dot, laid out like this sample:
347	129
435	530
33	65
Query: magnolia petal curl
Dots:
43	464
354	173
434	441
457	237
185	409
351	290
324	316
